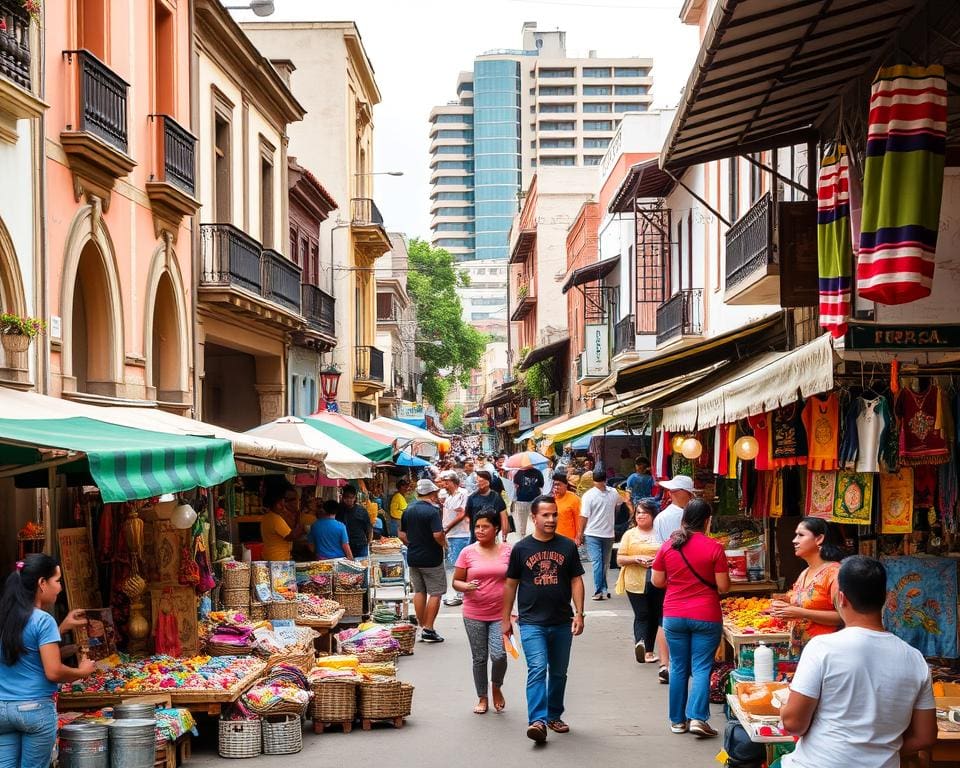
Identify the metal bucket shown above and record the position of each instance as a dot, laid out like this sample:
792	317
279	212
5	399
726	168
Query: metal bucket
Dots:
83	745
134	710
133	743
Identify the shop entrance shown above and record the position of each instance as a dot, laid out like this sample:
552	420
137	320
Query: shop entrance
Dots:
229	388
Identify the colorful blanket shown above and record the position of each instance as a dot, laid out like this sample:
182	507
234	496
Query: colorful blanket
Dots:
921	606
834	243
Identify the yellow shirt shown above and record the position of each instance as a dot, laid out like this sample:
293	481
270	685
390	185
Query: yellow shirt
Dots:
397	505
273	531
633	577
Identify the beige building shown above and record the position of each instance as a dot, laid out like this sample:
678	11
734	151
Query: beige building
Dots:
396	328
332	76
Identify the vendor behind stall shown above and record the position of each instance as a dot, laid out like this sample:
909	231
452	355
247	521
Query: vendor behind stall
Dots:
281	525
357	520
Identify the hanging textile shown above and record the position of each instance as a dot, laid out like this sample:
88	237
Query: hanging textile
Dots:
902	184
760	424
661	462
776	495
921	607
821	419
834	243
872	422
924	487
853	500
788	437
896	501
821	487
921	422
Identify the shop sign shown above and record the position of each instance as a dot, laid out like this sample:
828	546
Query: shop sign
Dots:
524	417
864	336
597	350
544	407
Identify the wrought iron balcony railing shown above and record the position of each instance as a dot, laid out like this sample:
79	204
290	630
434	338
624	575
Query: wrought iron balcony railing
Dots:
230	257
319	308
103	100
624	335
179	155
281	280
750	242
363	211
15	53
681	315
369	364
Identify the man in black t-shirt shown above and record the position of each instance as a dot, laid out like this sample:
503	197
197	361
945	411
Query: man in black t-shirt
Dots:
357	520
421	529
544	575
528	483
485	500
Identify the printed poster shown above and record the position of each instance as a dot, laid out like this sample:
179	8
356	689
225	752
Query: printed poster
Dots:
853	500
896	501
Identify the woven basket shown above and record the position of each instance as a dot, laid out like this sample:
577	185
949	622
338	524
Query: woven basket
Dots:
235	598
312	588
302	659
380	699
278	708
237	576
258	611
376	655
406	699
283	736
407	637
240	738
381	549
15	342
334	701
352	602
227	649
281	609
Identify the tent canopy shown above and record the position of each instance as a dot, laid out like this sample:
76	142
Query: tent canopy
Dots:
341	461
578	425
405	431
372	448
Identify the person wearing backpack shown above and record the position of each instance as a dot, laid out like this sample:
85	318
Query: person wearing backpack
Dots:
693	569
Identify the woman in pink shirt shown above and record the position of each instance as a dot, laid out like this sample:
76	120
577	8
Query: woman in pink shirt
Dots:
693	568
481	574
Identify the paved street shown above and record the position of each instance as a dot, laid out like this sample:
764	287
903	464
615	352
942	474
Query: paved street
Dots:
615	708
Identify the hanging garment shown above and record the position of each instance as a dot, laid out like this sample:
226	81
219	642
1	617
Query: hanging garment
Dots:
821	487
760	424
731	453
853	500
821	420
834	243
661	463
720	454
921	606
788	437
896	501
849	445
776	496
924	487
902	184
873	419
947	494
761	495
921	436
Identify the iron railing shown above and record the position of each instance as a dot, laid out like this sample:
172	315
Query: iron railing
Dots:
319	308
281	280
681	315
364	211
230	257
179	155
369	364
750	242
15	51
624	335
103	100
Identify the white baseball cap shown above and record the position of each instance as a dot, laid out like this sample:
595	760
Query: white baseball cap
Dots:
678	483
425	487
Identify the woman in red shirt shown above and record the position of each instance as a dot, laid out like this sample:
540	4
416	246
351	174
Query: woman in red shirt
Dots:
693	568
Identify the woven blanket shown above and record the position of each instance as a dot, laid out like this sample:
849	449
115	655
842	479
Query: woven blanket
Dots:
921	606
834	243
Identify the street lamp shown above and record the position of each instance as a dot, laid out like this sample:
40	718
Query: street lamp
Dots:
259	7
329	382
379	173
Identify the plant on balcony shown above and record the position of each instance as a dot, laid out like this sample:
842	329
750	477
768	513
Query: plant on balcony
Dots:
522	291
17	332
536	382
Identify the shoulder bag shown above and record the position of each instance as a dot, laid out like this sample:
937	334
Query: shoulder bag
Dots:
707	584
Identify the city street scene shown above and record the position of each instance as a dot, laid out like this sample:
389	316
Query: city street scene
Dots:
437	383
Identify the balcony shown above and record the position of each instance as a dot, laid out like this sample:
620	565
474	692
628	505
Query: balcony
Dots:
525	302
624	335
95	138
17	101
238	273
369	235
368	365
680	316
752	271
319	309
172	186
592	366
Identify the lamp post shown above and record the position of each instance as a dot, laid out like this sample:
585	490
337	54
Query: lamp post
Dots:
259	7
329	383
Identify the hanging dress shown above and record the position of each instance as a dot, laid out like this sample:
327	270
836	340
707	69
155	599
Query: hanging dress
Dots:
873	419
921	435
788	437
821	418
760	424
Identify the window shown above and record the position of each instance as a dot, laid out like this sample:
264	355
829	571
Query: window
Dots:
164	70
631	72
453	196
452	119
597	107
467	210
295	395
266	194
554	108
733	184
630	90
315	264
533	162
558	72
453	165
558	143
92	27
628	107
592	159
222	161
596	90
596	71
466	181
303	258
449	133
449	242
596	142
454	226
558	160
558	126
453	150
557	90
597	125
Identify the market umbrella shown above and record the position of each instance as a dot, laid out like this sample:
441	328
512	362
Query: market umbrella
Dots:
526	459
404	459
351	424
406	431
341	461
375	449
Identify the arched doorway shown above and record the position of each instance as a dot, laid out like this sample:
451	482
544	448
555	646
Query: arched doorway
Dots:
12	300
92	328
167	362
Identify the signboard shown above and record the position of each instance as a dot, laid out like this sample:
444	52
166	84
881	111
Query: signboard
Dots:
524	416
597	350
871	336
544	407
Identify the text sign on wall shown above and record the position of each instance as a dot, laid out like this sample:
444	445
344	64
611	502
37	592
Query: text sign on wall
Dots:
597	348
915	337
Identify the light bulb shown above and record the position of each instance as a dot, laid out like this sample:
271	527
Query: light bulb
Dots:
747	448
691	448
677	443
184	516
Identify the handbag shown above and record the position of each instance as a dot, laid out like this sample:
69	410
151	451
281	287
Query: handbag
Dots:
709	585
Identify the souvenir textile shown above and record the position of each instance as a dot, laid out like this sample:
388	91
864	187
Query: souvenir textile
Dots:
760	424
921	607
821	487
896	501
788	437
821	419
902	184
853	500
834	242
921	433
866	426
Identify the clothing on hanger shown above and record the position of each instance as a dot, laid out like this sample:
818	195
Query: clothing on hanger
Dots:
760	424
921	420
821	419
788	437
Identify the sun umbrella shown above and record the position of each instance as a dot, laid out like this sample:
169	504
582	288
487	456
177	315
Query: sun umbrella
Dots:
405	459
374	448
526	459
341	460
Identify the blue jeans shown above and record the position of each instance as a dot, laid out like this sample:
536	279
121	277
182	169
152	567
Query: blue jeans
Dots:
692	647
599	549
393	526
455	545
28	731
547	650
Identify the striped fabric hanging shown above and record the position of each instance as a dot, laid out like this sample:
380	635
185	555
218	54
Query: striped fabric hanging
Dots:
834	244
902	184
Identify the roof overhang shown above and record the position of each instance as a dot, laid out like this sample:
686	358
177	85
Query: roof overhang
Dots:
768	73
501	397
544	352
526	238
591	273
643	180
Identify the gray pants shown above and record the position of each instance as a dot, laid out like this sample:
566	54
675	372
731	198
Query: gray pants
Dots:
486	640
521	511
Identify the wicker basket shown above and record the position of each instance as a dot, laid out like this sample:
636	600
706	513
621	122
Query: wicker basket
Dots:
240	738
385	549
228	649
312	588
406	699
237	576
284	736
407	637
352	602
380	699
235	598
258	611
377	655
281	609
334	701
302	659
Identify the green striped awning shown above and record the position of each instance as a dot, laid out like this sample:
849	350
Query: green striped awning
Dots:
125	463
374	450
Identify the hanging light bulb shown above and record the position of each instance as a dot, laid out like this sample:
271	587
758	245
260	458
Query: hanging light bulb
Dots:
676	443
747	448
165	506
184	516
691	448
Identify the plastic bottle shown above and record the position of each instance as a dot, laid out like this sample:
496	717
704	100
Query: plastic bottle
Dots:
763	663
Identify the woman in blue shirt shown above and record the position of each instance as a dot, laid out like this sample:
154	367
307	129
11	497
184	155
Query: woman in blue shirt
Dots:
30	664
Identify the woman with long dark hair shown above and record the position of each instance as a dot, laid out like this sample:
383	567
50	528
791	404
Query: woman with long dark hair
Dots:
809	607
30	664
693	568
637	548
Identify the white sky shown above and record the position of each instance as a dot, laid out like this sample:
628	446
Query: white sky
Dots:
417	47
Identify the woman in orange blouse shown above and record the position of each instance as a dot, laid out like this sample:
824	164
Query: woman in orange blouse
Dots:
809	608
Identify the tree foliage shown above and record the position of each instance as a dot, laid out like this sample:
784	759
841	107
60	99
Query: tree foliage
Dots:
432	282
453	421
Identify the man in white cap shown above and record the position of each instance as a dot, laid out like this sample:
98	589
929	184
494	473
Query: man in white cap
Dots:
668	521
421	530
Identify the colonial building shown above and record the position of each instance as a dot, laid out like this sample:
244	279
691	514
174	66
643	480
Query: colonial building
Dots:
396	329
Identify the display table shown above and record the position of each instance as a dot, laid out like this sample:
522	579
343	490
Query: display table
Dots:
736	638
751	723
947	749
752	587
324	627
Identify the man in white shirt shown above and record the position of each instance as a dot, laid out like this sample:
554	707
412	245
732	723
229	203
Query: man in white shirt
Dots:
598	510
468	477
861	696
456	526
668	521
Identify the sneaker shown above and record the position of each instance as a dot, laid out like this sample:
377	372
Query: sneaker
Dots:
537	732
453	601
430	636
678	727
640	652
702	728
598	596
663	676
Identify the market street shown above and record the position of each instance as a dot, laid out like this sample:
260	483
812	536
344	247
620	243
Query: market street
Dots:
616	710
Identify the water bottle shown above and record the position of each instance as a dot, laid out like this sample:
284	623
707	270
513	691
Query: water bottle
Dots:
763	663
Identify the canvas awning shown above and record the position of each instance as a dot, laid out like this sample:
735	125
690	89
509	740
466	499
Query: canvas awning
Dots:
537	429
768	73
591	273
544	352
406	431
341	462
371	448
577	425
644	180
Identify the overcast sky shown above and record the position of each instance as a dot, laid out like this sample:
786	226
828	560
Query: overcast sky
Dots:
417	47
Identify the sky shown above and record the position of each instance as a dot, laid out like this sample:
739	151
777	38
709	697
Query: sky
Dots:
417	48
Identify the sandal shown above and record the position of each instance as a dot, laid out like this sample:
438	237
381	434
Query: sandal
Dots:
482	707
558	726
663	675
498	702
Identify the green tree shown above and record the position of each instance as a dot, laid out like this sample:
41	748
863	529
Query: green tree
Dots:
453	421
432	282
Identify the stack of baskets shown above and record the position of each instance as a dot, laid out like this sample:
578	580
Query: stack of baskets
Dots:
350	587
334	701
235	586
282	735
240	738
350	601
385	699
281	609
406	635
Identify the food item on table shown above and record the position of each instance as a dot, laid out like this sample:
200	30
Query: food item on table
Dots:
758	698
751	613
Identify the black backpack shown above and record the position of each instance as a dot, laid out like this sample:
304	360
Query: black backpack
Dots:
741	752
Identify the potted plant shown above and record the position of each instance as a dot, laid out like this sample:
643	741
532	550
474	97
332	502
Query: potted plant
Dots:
17	332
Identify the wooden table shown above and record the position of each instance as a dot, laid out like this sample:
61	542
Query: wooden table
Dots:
750	724
736	639
752	587
324	626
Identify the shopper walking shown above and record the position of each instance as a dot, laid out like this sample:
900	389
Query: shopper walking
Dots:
481	576
456	526
598	511
486	500
568	506
30	665
527	483
422	531
635	555
669	520
693	569
544	575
